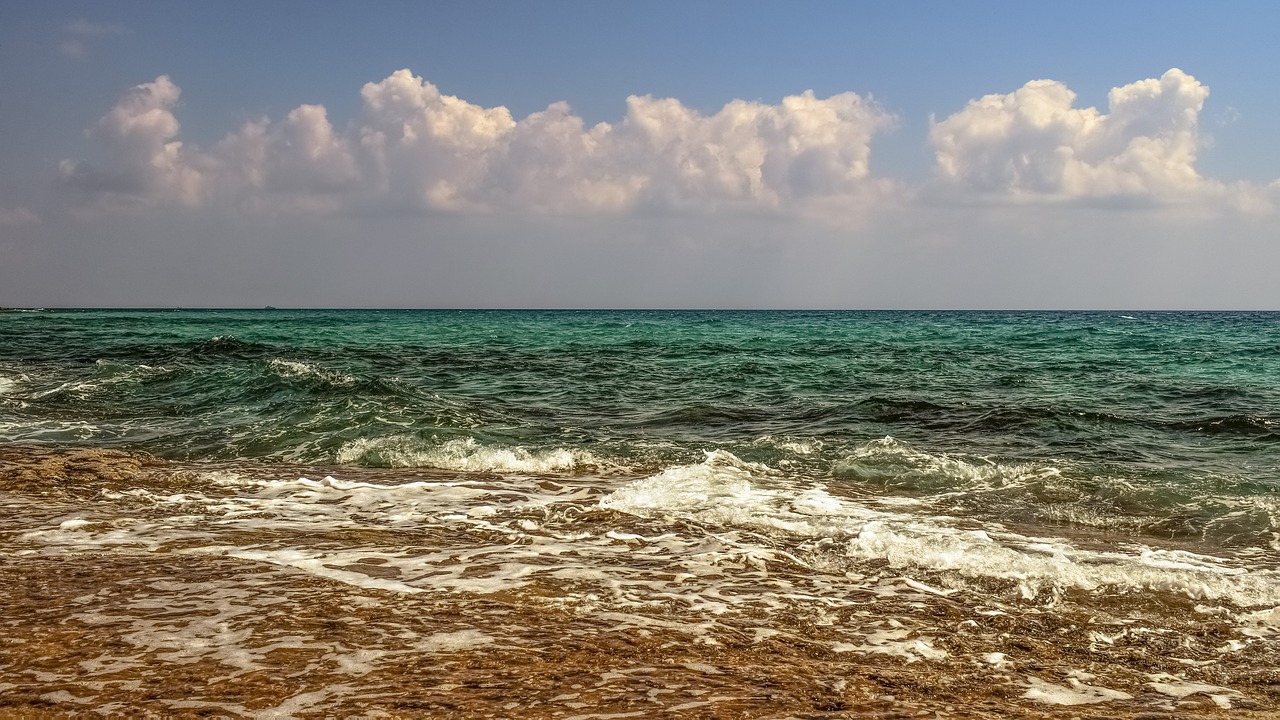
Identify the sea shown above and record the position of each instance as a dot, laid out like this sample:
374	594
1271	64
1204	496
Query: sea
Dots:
671	514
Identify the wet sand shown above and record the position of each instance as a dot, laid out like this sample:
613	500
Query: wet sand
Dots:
174	629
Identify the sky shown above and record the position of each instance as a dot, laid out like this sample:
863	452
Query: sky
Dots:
941	155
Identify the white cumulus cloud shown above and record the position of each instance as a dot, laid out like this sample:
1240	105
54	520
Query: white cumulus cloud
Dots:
413	146
146	161
1035	141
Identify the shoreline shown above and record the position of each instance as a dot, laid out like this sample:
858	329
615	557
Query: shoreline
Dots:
175	627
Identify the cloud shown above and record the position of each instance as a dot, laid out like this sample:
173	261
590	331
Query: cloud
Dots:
1034	142
77	36
666	155
427	149
147	164
17	216
298	164
413	147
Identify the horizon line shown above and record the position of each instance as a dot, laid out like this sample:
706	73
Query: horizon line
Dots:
271	308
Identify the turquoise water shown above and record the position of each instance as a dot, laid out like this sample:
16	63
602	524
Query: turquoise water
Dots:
1157	424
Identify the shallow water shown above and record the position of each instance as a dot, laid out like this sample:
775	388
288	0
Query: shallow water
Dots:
544	514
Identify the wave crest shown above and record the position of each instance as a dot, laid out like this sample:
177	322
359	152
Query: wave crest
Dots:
292	369
462	455
893	464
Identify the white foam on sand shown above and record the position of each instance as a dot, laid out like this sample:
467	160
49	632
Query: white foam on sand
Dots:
323	565
1074	693
453	641
1178	687
696	550
900	642
510	531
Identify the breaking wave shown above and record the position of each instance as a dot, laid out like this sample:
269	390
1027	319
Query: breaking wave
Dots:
462	455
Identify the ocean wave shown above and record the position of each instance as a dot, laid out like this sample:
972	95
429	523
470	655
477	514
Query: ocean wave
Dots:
720	487
301	370
56	431
799	446
1204	392
887	409
462	455
784	415
725	493
891	463
107	374
1225	510
225	346
1184	415
1237	424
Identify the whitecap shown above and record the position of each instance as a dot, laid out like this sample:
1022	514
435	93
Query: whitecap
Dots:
295	369
463	455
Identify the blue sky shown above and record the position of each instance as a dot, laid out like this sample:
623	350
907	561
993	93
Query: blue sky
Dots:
694	210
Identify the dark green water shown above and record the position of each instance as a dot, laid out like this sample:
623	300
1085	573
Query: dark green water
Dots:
1160	424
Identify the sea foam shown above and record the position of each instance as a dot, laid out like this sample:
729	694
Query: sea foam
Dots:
295	369
724	492
461	454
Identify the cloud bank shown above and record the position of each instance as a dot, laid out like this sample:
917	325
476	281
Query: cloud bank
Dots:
411	147
1034	141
